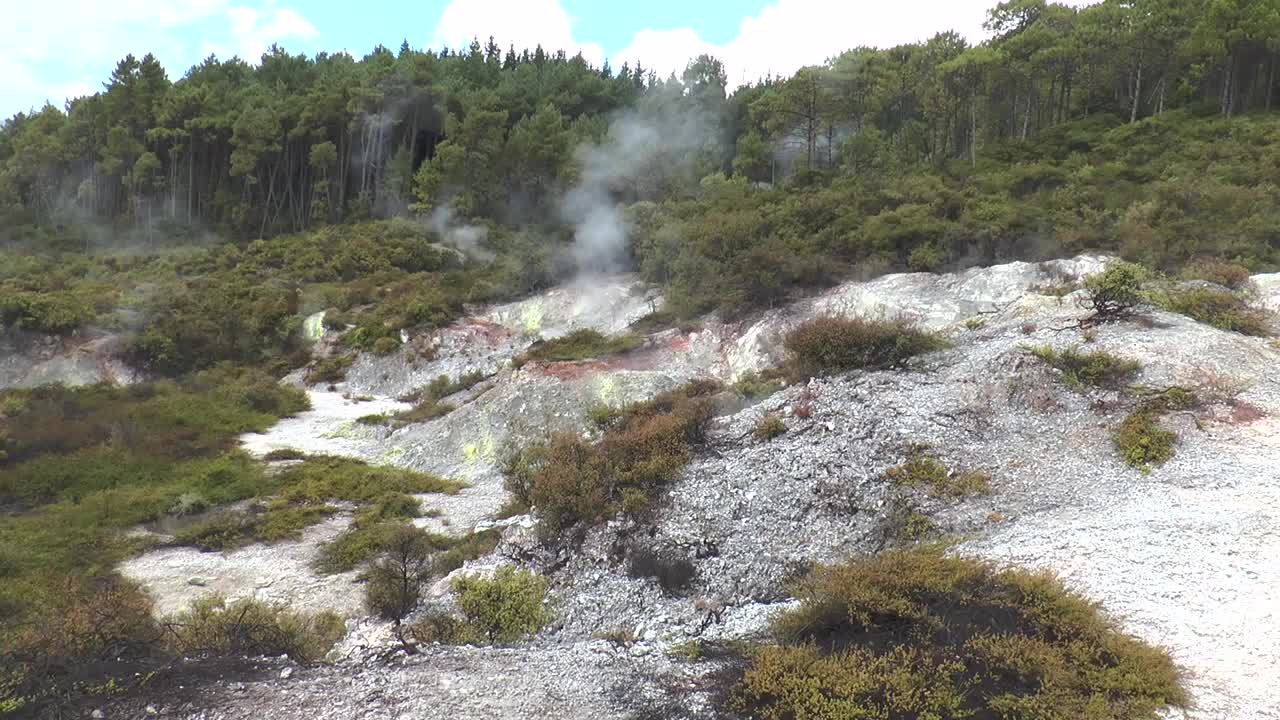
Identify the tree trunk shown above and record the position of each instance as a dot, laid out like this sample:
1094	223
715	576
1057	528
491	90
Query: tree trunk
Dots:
1271	81
973	130
1137	94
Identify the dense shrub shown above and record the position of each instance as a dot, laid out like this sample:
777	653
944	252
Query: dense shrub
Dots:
829	345
214	626
1221	309
1087	369
505	607
1115	292
914	634
394	582
570	480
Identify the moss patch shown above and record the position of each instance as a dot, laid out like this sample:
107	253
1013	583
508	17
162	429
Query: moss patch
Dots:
580	345
922	471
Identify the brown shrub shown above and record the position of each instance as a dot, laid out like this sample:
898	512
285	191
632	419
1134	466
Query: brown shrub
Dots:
571	480
828	345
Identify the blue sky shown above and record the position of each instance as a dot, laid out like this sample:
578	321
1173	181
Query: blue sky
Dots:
61	48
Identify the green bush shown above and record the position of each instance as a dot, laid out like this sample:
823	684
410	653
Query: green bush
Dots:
1116	291
214	626
504	608
394	582
1220	308
916	634
769	427
757	386
1142	442
1092	369
830	345
329	370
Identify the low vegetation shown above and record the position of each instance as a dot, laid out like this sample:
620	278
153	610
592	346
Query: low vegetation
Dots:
1223	309
247	627
579	345
1116	292
758	386
570	480
918	634
1230	275
1141	441
769	427
429	400
830	345
1082	370
925	472
503	608
329	370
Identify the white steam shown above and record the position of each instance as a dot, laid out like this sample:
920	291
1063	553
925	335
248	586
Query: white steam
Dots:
470	239
643	154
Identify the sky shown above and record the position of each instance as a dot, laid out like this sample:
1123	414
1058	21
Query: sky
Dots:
57	49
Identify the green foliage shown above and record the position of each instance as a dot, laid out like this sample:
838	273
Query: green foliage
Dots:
571	480
214	626
769	427
579	345
324	478
1087	369
1142	442
1116	291
926	472
830	345
1222	309
757	386
394	582
503	608
918	633
331	369
271	522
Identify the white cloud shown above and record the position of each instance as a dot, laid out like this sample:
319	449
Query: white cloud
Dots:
57	50
524	23
789	34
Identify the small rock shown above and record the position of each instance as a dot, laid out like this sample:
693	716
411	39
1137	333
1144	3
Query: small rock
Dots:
198	581
286	673
640	650
151	710
97	715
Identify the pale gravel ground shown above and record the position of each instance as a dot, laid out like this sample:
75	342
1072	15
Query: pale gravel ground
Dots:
1184	557
276	573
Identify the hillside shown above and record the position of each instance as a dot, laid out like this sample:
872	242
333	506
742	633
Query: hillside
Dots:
932	381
